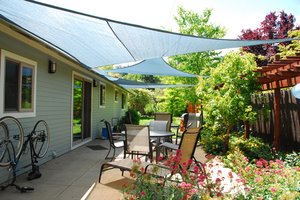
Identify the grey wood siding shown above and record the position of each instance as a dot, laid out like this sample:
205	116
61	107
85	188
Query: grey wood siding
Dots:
53	101
110	110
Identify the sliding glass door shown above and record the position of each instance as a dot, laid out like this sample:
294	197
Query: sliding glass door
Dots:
81	110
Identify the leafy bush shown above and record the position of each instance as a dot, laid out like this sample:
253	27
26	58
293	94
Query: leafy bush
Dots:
292	159
141	99
255	148
212	143
134	115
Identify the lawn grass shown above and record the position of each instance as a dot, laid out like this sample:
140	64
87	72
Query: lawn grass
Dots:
146	121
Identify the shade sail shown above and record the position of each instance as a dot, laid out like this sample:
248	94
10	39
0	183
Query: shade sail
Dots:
128	84
155	66
95	41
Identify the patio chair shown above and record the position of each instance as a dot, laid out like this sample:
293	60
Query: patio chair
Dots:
187	146
137	142
182	127
157	125
115	141
170	146
164	116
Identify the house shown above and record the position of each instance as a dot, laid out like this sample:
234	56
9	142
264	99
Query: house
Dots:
72	99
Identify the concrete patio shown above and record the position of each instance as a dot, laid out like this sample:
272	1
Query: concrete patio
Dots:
74	175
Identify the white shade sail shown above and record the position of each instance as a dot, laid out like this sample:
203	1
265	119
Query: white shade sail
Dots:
155	66
128	84
95	41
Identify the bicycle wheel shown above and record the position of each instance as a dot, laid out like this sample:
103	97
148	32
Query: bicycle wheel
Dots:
11	140
40	139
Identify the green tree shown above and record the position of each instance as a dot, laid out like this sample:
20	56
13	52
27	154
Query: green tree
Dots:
140	99
173	101
293	48
196	63
226	94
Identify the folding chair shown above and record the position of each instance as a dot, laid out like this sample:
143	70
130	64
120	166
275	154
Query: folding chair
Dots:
187	148
115	141
137	142
170	145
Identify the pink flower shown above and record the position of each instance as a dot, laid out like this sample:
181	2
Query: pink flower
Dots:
230	175
196	169
143	193
258	179
248	168
184	185
218	180
259	164
273	190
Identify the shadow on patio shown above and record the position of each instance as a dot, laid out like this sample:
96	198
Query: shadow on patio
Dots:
73	174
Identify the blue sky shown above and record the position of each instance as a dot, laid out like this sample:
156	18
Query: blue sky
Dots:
234	15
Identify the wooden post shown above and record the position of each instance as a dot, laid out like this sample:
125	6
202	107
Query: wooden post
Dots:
276	141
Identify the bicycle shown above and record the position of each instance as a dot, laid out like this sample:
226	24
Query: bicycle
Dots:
12	146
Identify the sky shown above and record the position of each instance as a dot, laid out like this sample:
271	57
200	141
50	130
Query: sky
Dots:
234	15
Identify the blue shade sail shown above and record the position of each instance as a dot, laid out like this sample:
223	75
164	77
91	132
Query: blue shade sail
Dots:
155	66
94	41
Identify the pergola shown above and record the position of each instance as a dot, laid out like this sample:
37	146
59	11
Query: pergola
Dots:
281	73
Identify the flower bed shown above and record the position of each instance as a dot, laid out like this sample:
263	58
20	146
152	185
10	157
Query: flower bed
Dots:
230	177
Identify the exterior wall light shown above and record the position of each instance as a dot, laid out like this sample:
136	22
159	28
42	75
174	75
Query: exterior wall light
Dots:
95	83
52	67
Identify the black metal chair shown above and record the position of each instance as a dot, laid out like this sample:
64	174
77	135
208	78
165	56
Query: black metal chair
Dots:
115	141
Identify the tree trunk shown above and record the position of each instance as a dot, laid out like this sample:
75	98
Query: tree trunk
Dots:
246	129
226	140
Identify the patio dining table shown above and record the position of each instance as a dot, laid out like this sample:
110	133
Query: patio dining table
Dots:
159	135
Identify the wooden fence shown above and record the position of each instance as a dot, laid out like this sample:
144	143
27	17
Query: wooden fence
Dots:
290	119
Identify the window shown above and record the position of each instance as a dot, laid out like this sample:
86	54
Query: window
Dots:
102	95
116	95
123	101
18	78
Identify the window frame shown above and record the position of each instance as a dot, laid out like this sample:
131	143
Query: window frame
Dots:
116	96
123	101
101	104
24	62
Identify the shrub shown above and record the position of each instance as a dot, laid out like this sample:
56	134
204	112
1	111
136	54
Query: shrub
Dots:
212	144
134	115
292	159
253	148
